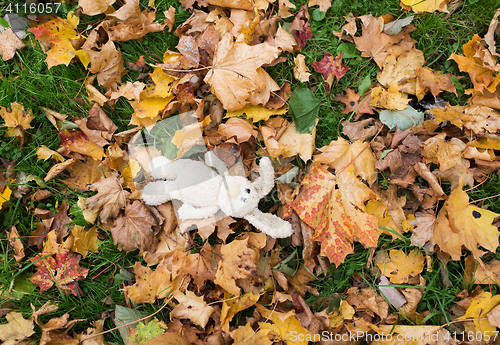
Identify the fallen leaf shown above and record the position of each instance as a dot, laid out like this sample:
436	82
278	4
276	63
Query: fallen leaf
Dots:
357	131
257	113
339	154
353	104
400	71
16	119
191	307
480	306
107	64
445	153
133	230
237	261
242	129
402	119
438	334
390	99
76	141
9	43
332	212
62	270
200	267
300	70
16	329
324	5
83	174
402	266
304	108
170	17
110	199
232	306
462	224
284	326
478	119
58	168
92	7
330	67
302	144
300	26
237	72
15	242
426	5
84	241
43	152
245	335
150	285
434	82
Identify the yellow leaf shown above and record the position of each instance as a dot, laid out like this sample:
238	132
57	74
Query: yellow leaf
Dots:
402	266
426	5
232	306
150	285
16	119
462	224
286	327
191	307
245	335
479	307
45	153
5	196
257	113
300	70
302	144
389	99
346	312
84	241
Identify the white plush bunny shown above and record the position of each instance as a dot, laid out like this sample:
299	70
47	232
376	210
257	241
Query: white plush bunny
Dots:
203	191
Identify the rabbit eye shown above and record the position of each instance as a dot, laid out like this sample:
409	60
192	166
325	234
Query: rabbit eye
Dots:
244	200
247	190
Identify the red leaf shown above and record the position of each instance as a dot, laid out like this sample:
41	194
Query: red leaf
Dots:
330	66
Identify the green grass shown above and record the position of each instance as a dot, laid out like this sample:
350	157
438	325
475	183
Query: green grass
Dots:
26	80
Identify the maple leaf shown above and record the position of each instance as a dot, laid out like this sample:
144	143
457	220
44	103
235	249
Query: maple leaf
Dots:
110	199
16	119
237	261
58	222
300	70
98	127
461	224
77	141
434	82
93	7
478	119
332	212
324	5
230	307
340	153
245	335
352	102
242	129
43	152
57	34
284	327
300	26
191	307
480	306
257	113
426	5
16	329
106	63
331	66
480	65
84	241
445	153
56	169
83	174
402	266
15	242
376	44
63	270
400	71
150	285
237	74
9	43
133	230
302	144
199	266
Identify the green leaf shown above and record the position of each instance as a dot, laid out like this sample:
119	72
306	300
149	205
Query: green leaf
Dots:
348	49
143	332
403	119
124	315
304	108
4	23
318	15
22	286
365	85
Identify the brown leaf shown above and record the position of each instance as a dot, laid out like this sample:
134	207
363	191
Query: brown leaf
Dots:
58	222
133	230
237	74
352	103
300	70
93	7
357	131
200	267
9	43
76	141
170	17
15	242
83	174
109	200
107	63
97	126
58	168
242	129
237	261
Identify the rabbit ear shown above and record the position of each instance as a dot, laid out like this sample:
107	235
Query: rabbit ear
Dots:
265	182
269	224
